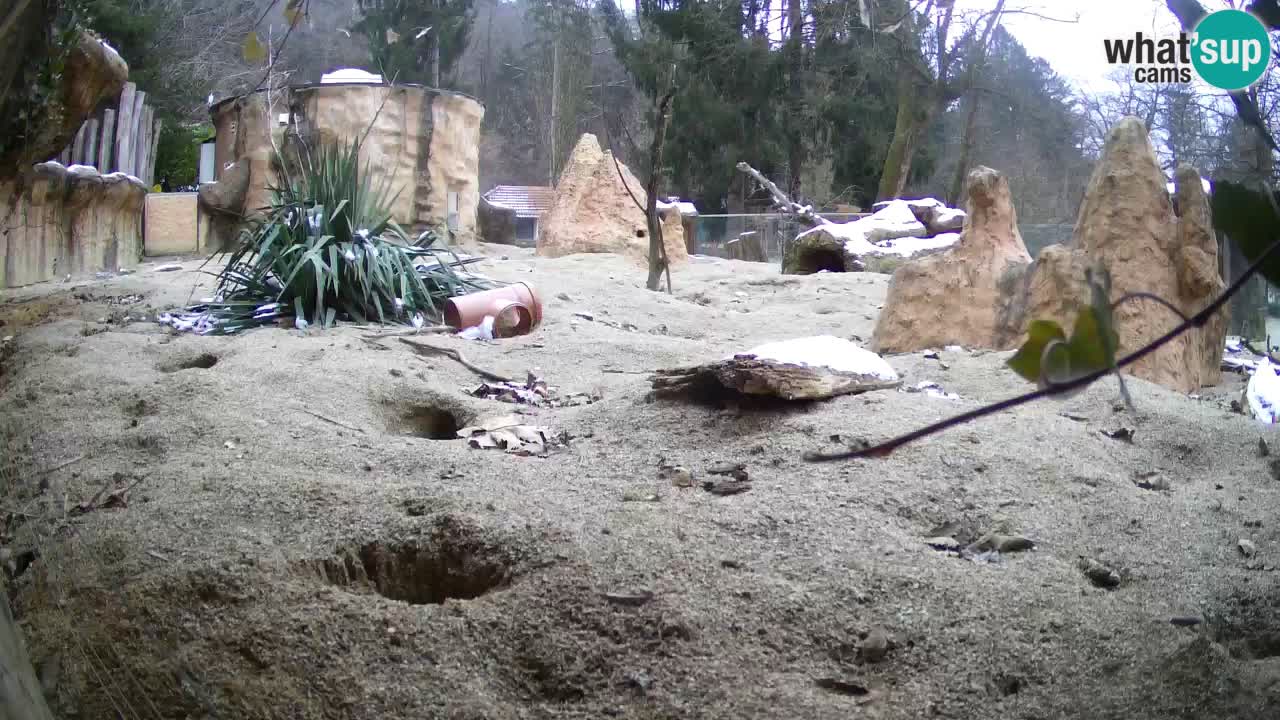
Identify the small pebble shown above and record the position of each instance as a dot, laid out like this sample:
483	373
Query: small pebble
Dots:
875	646
1247	548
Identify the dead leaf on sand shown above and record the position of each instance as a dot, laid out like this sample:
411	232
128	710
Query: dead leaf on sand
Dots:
509	433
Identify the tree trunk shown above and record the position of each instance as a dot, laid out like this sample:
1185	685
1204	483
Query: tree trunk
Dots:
795	97
955	195
657	250
914	111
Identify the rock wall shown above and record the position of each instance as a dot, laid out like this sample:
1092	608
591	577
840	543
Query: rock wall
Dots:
593	211
61	221
427	140
965	294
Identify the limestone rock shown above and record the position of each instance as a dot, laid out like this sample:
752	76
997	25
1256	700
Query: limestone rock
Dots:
594	213
1127	223
965	295
497	223
69	223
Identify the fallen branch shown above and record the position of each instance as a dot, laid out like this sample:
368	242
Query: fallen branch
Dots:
412	331
781	201
60	466
332	421
424	349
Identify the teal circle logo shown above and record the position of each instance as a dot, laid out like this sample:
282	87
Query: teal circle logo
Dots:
1231	49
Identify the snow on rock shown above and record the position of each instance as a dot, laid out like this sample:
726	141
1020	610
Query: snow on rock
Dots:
82	170
350	75
1263	393
686	208
825	351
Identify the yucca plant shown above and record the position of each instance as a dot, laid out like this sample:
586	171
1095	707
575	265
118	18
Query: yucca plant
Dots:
327	248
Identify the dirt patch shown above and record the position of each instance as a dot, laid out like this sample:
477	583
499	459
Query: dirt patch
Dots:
297	548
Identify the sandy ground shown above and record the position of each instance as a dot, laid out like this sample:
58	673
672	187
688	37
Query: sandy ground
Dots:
293	547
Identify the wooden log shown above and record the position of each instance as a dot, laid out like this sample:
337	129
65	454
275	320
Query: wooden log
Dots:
77	145
781	201
142	141
20	693
156	127
144	144
139	103
91	143
124	120
107	141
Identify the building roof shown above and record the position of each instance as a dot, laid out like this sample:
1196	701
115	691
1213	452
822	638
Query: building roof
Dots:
526	200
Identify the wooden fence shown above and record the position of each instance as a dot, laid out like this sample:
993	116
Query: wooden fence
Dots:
121	137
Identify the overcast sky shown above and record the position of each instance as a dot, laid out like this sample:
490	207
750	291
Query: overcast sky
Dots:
1074	49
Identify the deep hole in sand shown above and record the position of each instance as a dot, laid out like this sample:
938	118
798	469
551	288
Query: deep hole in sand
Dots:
203	361
817	260
457	564
432	423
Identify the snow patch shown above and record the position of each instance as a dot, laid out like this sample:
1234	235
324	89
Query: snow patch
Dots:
1264	393
350	75
687	209
1204	183
825	351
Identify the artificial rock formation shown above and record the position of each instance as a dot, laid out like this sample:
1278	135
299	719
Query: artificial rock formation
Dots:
422	143
965	295
593	211
983	294
1127	223
496	223
93	72
69	221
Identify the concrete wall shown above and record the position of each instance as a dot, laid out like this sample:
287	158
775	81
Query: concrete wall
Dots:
171	225
61	222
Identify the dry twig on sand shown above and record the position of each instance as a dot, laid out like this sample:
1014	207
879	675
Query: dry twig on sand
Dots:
425	349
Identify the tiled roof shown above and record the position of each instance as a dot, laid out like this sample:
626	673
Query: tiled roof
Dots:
526	200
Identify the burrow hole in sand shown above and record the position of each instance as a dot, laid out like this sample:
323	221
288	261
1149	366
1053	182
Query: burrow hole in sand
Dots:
457	564
428	415
432	423
203	361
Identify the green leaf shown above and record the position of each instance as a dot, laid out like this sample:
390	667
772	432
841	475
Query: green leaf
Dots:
1026	362
253	50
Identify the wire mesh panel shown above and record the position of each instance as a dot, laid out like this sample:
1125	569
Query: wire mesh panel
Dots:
712	233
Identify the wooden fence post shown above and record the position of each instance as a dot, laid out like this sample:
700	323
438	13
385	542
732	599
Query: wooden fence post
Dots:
107	142
124	119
